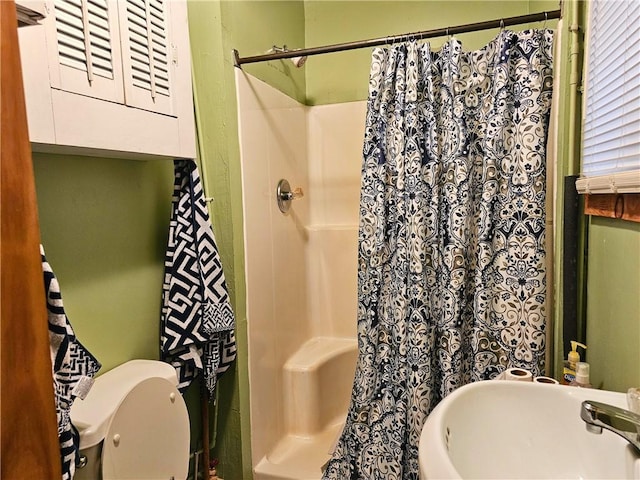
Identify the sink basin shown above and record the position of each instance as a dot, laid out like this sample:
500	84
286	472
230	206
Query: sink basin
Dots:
522	430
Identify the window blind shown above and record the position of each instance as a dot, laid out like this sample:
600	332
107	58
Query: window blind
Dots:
611	134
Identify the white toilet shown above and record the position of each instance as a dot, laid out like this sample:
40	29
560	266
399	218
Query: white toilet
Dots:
133	424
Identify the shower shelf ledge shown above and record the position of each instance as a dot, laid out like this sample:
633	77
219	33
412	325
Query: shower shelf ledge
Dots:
317	383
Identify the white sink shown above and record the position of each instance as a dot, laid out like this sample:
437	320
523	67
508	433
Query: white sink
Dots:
522	430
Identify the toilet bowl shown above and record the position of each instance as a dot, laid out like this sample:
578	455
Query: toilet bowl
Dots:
133	424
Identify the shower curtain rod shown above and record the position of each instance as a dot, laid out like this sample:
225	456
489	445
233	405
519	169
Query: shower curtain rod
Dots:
374	42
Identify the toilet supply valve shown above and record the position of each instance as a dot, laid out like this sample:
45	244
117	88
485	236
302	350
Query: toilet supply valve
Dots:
213	472
82	461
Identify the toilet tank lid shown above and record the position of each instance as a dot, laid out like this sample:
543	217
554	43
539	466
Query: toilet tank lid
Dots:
92	415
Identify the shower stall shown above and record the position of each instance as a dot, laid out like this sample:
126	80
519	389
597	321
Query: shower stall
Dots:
301	273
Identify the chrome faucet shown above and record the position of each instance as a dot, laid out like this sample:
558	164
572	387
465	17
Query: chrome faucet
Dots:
617	420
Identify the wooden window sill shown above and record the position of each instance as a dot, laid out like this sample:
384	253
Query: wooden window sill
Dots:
625	206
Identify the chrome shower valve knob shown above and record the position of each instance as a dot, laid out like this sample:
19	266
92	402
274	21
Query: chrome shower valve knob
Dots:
284	195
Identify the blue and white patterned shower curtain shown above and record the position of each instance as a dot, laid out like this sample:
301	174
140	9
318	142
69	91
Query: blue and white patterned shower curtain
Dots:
451	274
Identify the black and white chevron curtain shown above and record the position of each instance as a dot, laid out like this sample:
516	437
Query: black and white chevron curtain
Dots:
197	324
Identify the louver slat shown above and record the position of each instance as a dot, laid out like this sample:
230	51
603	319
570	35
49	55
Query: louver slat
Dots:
83	36
147	41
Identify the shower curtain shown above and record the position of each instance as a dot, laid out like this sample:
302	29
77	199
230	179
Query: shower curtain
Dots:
451	273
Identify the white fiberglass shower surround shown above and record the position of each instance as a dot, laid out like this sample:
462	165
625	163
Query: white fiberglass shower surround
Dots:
301	273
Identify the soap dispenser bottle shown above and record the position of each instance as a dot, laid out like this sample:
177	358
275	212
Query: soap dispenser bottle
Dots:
569	371
582	376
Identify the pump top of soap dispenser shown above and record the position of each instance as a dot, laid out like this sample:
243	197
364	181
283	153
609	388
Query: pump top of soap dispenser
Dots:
574	357
582	375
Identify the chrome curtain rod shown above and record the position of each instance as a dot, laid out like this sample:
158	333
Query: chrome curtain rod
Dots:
374	42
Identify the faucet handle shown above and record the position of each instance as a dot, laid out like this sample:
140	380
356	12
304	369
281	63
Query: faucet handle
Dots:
292	195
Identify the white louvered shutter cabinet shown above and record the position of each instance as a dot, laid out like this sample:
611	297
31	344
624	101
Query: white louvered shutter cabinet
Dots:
111	83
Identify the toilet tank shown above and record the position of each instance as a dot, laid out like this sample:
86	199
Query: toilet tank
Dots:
92	415
133	424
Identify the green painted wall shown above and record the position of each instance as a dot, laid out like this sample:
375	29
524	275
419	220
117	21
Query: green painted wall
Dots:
343	76
613	303
104	225
253	27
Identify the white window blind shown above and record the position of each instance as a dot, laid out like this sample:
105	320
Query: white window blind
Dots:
611	135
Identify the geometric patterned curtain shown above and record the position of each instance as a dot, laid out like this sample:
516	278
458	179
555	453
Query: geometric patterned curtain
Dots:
451	273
